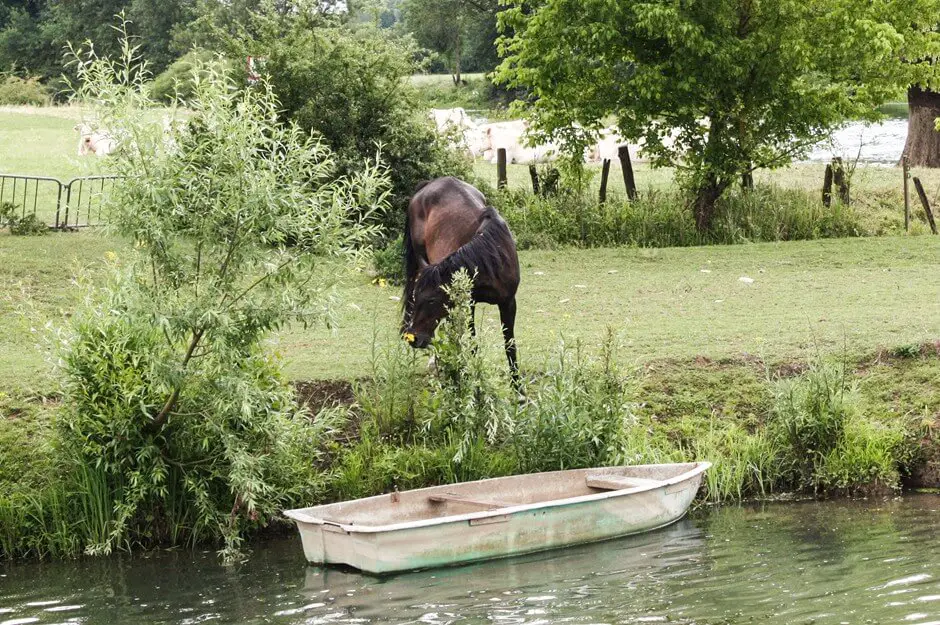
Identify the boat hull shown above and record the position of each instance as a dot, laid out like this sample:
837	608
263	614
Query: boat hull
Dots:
500	532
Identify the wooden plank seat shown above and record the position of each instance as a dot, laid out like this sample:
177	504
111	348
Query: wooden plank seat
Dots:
618	482
469	501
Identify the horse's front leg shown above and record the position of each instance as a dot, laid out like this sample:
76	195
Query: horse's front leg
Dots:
507	316
473	316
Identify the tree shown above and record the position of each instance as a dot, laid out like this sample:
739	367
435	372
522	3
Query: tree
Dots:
350	85
716	88
923	136
174	399
453	28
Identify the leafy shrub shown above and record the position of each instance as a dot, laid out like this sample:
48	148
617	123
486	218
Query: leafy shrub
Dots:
27	225
351	87
829	444
811	413
16	91
388	261
170	392
471	400
577	414
177	80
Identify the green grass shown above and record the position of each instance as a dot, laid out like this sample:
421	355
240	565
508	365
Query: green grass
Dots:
41	142
829	295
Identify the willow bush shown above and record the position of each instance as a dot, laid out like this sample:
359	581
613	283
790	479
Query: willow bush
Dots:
170	389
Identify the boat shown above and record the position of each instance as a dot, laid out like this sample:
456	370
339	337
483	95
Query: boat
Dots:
498	517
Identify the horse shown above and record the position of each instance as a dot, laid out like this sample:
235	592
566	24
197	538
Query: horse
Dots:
449	227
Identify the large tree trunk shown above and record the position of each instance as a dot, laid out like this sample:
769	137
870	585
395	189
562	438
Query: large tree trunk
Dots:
923	139
706	200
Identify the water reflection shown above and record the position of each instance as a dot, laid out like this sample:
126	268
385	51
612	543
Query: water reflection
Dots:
831	562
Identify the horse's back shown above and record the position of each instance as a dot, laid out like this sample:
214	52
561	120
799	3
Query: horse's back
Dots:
443	215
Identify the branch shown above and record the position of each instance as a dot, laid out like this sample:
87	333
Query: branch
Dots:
161	418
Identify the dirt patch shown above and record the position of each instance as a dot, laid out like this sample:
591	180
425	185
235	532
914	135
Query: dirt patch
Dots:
316	395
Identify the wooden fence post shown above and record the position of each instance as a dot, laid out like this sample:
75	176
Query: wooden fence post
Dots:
926	203
827	186
838	178
605	173
906	168
501	180
534	175
623	152
747	180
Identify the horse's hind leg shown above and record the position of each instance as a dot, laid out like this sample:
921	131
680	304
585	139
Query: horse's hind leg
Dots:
507	316
473	316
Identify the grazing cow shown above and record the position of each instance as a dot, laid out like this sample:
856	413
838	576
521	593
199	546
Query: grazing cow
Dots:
455	121
445	119
95	142
450	227
511	136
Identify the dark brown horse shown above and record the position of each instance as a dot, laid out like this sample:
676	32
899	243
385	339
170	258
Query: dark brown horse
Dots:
450	227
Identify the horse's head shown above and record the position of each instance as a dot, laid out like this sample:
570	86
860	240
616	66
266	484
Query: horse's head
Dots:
427	307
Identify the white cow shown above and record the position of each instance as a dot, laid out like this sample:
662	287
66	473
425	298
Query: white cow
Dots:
95	142
608	147
445	119
511	136
457	121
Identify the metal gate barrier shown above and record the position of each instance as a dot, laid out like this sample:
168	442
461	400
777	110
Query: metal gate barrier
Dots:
75	203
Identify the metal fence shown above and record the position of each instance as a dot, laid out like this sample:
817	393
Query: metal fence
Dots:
75	203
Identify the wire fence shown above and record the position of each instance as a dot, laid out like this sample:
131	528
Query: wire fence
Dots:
76	203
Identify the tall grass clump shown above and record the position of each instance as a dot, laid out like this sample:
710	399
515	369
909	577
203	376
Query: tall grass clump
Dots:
578	413
663	219
174	406
829	444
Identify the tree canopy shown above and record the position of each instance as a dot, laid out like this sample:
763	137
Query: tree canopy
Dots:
716	88
462	32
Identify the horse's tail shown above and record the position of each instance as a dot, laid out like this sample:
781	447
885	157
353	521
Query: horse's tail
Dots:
410	260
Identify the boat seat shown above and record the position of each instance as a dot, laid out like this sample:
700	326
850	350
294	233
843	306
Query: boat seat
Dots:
470	501
618	482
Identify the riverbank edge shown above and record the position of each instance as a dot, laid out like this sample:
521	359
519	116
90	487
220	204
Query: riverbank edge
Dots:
687	398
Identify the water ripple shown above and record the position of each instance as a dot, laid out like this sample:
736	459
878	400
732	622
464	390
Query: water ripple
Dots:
824	563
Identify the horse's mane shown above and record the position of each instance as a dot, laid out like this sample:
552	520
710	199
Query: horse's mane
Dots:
484	254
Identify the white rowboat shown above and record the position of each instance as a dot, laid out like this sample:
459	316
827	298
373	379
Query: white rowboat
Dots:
498	517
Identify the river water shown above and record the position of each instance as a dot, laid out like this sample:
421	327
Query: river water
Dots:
809	562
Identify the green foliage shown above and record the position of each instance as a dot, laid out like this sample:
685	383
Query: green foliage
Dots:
16	91
811	414
33	34
578	414
661	219
830	443
388	261
461	32
714	88
26	225
176	81
469	399
351	87
170	390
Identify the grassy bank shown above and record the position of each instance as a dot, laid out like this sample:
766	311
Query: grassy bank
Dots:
858	426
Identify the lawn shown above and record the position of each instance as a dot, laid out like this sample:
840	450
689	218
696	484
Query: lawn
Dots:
678	303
